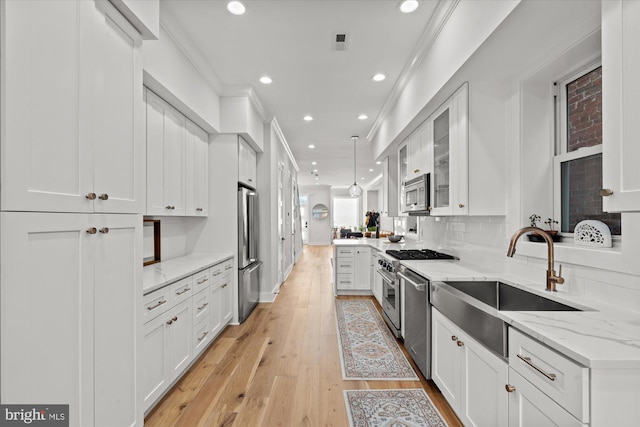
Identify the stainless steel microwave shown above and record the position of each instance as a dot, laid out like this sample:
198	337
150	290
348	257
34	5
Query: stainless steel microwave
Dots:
417	199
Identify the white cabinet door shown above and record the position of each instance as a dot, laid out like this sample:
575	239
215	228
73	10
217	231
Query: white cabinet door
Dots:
47	300
196	171
179	348
226	301
79	287
117	110
166	157
216	308
390	186
362	268
154	360
246	164
529	407
46	158
72	109
621	106
484	401
446	358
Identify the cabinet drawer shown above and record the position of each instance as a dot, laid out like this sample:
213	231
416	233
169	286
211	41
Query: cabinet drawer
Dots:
181	290
156	303
560	378
218	271
201	336
344	252
201	281
344	266
201	305
345	281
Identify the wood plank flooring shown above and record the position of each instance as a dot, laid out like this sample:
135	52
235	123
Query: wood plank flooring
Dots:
279	368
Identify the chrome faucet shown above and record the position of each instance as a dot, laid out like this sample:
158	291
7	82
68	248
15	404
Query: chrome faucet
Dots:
552	279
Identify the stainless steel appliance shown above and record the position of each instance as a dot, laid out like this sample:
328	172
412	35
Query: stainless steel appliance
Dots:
417	199
249	264
417	330
417	316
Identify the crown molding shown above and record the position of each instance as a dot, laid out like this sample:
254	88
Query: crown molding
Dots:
186	45
250	93
440	16
276	128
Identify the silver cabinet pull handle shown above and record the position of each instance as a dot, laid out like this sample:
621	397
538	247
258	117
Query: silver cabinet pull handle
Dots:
203	306
170	207
228	267
92	230
527	360
217	273
509	388
224	286
199	209
91	196
203	335
157	305
104	230
606	192
104	196
200	282
183	291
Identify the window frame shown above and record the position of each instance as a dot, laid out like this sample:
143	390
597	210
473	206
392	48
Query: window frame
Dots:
561	154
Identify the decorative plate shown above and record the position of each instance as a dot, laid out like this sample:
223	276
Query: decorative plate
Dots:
592	233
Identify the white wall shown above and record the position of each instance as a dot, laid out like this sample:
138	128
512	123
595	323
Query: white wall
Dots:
319	229
238	115
168	72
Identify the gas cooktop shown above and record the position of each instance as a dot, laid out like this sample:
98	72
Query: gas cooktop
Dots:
417	254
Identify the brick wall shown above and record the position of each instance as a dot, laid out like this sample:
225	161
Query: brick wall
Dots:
582	178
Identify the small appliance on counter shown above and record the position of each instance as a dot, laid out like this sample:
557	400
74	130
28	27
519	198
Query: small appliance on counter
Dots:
249	264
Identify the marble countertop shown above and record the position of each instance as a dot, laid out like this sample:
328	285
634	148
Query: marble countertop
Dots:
600	337
156	276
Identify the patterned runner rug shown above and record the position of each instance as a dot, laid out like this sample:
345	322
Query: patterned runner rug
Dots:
368	351
397	408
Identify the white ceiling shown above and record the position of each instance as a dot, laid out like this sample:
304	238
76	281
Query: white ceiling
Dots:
292	42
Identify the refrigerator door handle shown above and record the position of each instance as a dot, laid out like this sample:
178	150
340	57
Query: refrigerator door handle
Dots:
253	228
252	269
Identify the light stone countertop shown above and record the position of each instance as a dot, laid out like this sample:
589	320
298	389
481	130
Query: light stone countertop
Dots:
601	337
156	276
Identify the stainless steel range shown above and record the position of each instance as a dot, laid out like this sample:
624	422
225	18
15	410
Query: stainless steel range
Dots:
417	306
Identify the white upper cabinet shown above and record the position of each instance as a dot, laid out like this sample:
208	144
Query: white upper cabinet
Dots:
197	170
450	142
419	152
166	155
620	105
246	164
72	109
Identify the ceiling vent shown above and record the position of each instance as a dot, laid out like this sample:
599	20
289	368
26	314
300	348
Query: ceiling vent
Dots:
340	41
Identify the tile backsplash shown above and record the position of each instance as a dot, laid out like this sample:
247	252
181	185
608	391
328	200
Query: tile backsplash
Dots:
483	242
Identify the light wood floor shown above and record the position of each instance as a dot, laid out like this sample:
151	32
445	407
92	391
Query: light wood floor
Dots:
279	368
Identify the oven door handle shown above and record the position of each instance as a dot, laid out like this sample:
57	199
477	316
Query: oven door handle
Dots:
422	287
386	278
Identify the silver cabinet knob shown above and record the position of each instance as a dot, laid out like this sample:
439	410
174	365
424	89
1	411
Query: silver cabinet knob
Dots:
92	230
461	206
91	196
104	230
170	207
460	343
103	196
509	388
606	192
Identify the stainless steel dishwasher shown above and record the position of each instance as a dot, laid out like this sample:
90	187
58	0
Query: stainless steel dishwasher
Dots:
417	316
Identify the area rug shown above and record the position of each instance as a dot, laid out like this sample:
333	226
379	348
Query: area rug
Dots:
409	407
368	351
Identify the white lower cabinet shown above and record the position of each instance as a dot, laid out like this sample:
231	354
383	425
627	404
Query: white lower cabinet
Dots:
376	279
71	288
470	377
529	407
353	269
180	321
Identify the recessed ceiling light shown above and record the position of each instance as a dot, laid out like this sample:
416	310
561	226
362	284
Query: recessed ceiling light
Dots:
370	170
378	163
317	179
312	146
308	118
408	6
314	163
379	77
236	8
315	171
266	80
363	117
362	178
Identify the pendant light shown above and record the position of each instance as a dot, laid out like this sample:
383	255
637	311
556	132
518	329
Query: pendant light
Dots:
354	190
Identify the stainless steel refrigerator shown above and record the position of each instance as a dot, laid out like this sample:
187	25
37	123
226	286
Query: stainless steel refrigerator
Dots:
249	264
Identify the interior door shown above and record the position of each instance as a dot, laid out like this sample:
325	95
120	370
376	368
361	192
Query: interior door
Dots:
281	226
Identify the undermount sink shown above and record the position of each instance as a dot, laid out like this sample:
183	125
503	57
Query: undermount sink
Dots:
505	297
474	307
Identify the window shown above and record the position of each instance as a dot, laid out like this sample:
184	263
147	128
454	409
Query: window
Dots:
578	160
345	212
